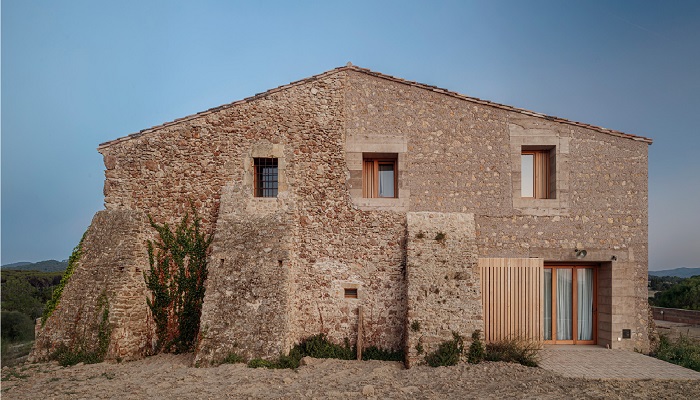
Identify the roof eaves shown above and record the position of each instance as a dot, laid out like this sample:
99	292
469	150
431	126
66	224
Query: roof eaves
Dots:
501	106
219	108
381	76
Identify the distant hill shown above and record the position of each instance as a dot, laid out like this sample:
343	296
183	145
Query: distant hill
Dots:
15	265
43	266
679	272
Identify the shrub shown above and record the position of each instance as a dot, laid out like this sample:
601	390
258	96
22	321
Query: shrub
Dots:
232	358
515	350
419	346
685	294
683	352
67	356
375	353
448	353
290	361
260	363
318	346
476	352
415	326
16	326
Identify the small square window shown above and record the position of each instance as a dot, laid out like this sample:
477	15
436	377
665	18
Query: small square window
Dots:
536	174
266	177
350	293
379	177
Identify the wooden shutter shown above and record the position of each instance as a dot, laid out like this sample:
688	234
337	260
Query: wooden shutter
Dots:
511	293
368	179
541	174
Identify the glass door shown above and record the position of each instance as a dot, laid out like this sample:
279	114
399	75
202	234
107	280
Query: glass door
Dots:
570	304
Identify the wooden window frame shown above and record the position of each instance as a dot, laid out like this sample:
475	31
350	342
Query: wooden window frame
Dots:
259	164
574	304
541	176
370	175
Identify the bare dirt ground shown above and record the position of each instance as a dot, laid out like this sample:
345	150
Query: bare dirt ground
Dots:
676	329
170	376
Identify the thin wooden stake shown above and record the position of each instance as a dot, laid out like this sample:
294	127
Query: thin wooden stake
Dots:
360	333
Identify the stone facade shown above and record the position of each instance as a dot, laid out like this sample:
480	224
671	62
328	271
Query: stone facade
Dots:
279	266
444	293
109	274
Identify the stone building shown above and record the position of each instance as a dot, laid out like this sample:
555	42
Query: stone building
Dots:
429	211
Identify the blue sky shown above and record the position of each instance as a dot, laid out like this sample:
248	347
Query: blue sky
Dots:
76	73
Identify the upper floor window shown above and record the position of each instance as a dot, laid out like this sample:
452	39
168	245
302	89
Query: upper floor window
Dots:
536	174
266	177
379	176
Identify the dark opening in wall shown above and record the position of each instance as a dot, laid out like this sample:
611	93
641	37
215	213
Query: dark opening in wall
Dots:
266	177
350	293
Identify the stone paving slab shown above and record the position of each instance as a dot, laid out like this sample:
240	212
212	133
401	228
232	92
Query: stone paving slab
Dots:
600	363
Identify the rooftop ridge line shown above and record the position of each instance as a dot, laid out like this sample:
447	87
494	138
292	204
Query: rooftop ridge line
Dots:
380	75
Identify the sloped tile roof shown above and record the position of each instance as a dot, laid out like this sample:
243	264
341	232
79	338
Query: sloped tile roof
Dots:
355	68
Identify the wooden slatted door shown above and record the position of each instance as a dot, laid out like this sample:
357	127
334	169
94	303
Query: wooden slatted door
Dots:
511	294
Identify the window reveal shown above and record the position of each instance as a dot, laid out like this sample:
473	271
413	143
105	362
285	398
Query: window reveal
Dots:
379	178
535	174
266	177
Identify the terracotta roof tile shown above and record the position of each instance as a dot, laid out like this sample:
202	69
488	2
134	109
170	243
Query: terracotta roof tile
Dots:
351	67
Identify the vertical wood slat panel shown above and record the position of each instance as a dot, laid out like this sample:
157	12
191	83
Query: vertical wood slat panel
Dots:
511	293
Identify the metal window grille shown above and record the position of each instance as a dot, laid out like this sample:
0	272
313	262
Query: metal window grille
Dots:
266	177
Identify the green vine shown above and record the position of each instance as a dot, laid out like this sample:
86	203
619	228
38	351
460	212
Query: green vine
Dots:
178	261
82	352
58	291
104	329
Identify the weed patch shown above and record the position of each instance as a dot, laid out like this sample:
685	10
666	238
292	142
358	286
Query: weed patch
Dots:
448	353
514	350
683	351
318	346
476	351
14	374
232	358
375	353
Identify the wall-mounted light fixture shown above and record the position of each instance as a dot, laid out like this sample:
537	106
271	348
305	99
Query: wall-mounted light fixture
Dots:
580	253
613	258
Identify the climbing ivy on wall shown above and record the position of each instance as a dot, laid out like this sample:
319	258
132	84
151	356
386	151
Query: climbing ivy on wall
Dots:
58	291
178	260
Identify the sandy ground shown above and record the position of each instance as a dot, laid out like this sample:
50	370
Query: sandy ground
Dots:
169	376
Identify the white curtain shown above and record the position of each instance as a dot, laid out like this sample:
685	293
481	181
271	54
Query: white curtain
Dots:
564	304
585	303
547	304
386	180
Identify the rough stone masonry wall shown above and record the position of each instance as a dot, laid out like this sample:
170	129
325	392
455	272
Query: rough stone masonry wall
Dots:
333	243
461	159
110	267
444	285
606	215
247	291
339	246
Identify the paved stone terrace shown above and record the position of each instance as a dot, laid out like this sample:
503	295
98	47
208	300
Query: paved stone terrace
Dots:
595	362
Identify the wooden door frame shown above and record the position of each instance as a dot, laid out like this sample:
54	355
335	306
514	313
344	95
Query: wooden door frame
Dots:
574	303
